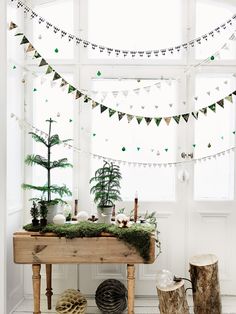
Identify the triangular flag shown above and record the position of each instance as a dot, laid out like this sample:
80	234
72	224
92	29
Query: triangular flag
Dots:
24	41
195	114
86	98
94	104
111	112
147	88
71	89
229	98
53	83
115	93
120	115
139	119
217	88
148	120
36	55
204	111
221	103
212	107
234	93
12	26
63	82
78	94
158	85
43	80
176	118
130	117
49	70
136	91
19	34
185	117
125	93
158	121
43	62
209	93
232	37
167	120
56	76
30	48
103	108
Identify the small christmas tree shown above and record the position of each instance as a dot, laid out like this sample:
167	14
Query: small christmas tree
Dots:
49	165
34	212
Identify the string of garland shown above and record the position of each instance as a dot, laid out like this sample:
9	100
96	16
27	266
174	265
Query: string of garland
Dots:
105	93
139	118
121	52
24	124
137	235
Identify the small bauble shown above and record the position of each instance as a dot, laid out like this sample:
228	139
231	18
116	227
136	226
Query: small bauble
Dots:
82	216
59	219
122	220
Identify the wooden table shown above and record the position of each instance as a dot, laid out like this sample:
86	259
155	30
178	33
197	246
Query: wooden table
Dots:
36	249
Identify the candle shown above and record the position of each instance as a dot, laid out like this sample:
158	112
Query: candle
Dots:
136	206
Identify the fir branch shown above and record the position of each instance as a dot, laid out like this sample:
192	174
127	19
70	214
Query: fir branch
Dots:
61	163
36	159
38	138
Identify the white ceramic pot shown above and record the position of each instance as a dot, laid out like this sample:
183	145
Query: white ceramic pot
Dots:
52	211
104	214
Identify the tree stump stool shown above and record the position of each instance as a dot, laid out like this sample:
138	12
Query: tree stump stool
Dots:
172	299
205	283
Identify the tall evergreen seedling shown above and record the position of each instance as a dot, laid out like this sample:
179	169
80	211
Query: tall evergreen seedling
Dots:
48	188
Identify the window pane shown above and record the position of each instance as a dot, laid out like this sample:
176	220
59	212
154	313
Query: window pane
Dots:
209	15
133	142
60	14
213	134
135	25
55	103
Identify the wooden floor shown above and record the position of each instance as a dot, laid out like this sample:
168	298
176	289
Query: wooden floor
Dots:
141	306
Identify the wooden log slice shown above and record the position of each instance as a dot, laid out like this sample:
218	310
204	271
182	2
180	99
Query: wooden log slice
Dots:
172	299
205	282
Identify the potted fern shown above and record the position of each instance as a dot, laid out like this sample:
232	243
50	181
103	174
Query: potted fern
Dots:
48	188
106	190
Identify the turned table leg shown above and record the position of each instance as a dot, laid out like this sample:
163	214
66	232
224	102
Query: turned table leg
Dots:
49	285
131	287
36	287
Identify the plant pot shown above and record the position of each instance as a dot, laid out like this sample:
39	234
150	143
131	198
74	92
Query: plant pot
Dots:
35	222
52	211
43	222
105	214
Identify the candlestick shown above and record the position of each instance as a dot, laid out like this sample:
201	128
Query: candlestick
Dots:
136	207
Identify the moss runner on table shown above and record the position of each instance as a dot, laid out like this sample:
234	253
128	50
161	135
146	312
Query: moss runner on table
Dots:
138	235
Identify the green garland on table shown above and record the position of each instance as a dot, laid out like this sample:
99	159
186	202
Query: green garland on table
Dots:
138	235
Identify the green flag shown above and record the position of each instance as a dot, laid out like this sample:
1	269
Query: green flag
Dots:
157	121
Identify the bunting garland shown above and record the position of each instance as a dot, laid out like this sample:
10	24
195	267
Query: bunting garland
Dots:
78	94
120	52
26	125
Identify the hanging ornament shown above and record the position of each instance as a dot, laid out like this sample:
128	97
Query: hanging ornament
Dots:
14	67
70	120
39	36
99	73
35	90
212	58
123	149
58	114
138	149
194	145
56	50
209	145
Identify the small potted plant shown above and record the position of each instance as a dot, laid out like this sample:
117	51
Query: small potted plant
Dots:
49	165
43	213
34	212
106	189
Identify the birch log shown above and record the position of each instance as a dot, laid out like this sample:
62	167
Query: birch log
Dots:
205	282
172	299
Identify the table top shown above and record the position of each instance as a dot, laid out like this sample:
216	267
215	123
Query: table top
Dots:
48	248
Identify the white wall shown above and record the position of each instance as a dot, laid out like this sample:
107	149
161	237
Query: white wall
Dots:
3	157
14	164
